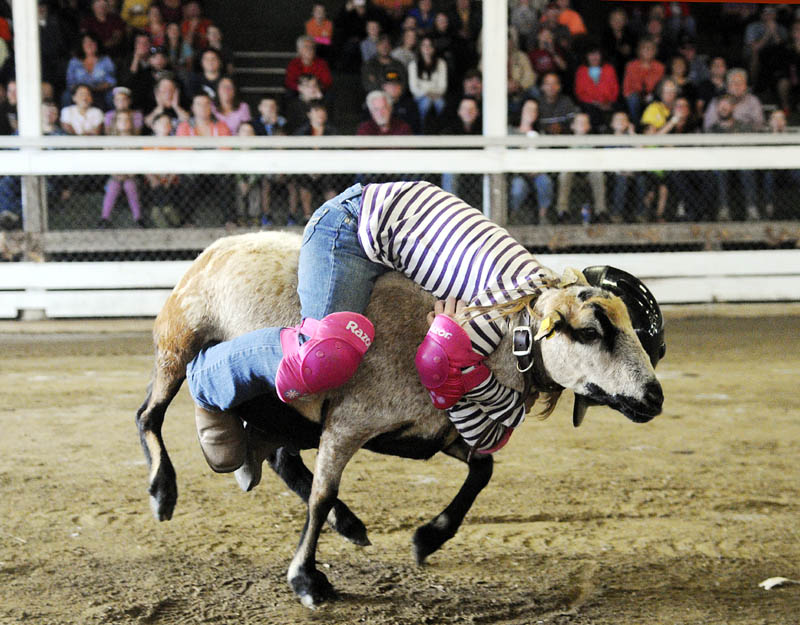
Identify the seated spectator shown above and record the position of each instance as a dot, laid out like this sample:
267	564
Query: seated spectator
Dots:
203	122
122	104
248	189
621	181
596	87
785	78
137	74
320	29
172	10
581	125
52	47
545	56
168	102
369	44
697	64
521	183
228	107
8	109
725	121
679	21
134	13
562	39
51	126
443	40
156	27
123	127
306	62
761	38
407	49
654	31
382	121
165	191
466	20
468	122
316	126
297	105
210	74
427	81
657	118
777	124
679	74
373	70
713	86
642	75
194	26
81	118
423	15
619	40
180	54
214	36
521	79
269	122
403	104
95	70
556	110
570	18
747	108
107	28
349	29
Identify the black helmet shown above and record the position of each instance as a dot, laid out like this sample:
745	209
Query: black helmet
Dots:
643	309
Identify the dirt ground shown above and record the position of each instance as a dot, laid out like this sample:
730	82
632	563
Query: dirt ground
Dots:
676	521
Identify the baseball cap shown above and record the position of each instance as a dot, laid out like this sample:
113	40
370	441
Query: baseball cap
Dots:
392	76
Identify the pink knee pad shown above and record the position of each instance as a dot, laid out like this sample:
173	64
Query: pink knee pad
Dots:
328	359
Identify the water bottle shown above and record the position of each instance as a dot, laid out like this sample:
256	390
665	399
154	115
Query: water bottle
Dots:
586	214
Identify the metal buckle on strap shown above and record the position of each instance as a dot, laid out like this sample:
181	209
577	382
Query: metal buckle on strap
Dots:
521	346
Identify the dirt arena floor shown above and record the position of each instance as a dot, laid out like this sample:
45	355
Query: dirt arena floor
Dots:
673	522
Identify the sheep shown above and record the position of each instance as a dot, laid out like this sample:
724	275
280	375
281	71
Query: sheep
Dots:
244	282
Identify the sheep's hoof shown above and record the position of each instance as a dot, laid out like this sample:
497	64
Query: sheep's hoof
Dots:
428	539
312	587
347	524
163	495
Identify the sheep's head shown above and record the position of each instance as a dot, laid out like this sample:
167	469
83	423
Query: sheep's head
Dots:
589	346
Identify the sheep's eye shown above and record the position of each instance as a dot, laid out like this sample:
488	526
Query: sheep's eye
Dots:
587	335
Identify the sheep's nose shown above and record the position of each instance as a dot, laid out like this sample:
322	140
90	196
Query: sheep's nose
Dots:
654	395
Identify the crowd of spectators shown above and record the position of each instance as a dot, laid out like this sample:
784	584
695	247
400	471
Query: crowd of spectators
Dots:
161	67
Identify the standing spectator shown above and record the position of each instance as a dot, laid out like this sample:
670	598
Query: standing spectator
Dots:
92	69
369	44
156	27
269	121
521	183
521	79
545	56
725	121
713	86
194	26
316	126
403	104
215	42
423	15
172	10
761	38
134	12
382	121
167	102
210	74
777	124
297	105
123	126
466	21
427	81
570	18
137	74
81	118
642	75
248	189
746	107
229	108
52	47
306	62
107	28
407	49
785	81
619	40
596	87
556	110
122	104
582	125
165	191
468	122
349	29
621	125
373	70
320	29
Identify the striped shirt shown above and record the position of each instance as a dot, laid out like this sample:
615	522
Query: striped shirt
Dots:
452	250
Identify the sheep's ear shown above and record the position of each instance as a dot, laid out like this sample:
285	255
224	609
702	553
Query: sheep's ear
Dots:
572	276
548	326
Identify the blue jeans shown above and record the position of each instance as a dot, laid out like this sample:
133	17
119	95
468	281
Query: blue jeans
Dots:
334	275
521	188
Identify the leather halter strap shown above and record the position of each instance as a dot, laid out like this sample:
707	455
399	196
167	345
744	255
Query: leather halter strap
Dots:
529	360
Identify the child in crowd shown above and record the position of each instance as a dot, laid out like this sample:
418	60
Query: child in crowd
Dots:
164	189
248	189
123	127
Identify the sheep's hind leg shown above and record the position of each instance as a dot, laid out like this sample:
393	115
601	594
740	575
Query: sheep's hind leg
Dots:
431	536
310	585
291	469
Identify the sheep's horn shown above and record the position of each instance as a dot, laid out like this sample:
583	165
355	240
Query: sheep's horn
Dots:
579	410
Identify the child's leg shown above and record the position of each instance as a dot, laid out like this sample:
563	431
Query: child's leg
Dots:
113	188
132	193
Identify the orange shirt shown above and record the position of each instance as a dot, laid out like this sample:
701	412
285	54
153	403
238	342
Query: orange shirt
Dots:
322	33
572	20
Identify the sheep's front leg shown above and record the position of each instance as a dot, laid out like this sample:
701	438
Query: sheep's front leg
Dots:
431	536
335	451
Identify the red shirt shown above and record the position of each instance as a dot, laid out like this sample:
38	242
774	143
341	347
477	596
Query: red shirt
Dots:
605	91
640	79
396	127
319	68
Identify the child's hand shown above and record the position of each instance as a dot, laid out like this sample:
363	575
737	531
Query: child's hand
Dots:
450	307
